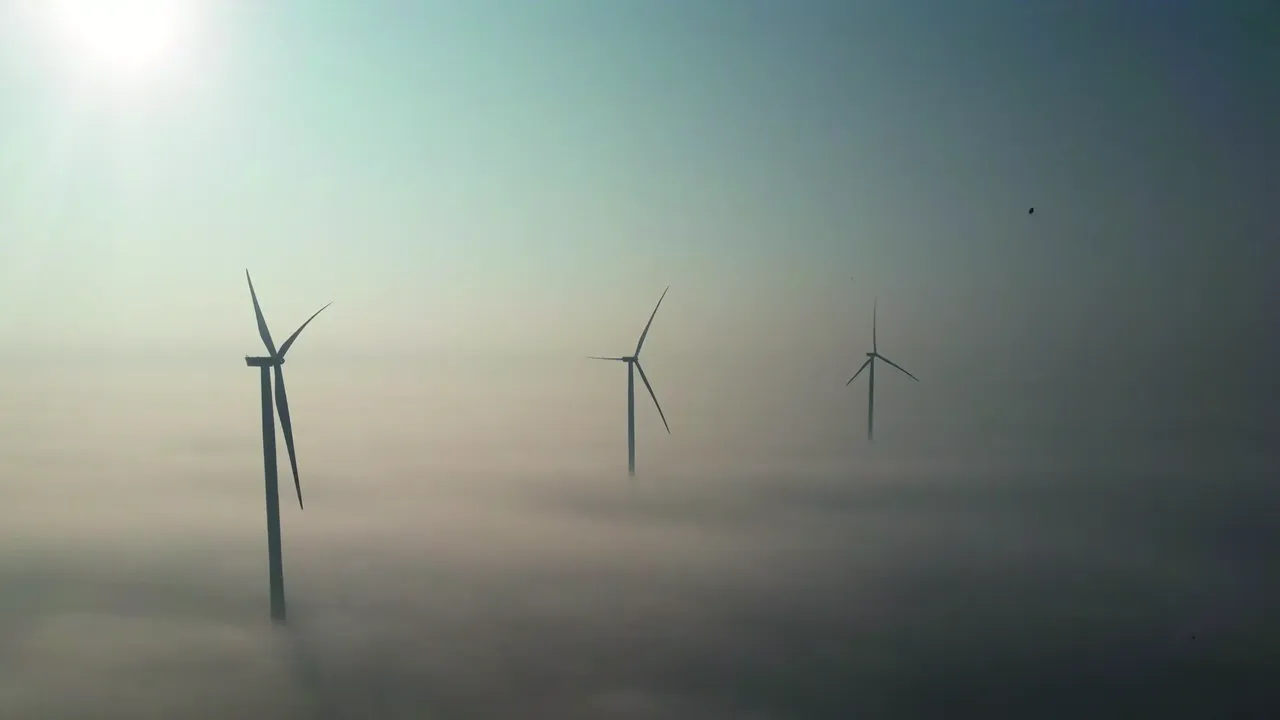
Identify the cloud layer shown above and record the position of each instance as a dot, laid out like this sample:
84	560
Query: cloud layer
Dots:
483	565
668	597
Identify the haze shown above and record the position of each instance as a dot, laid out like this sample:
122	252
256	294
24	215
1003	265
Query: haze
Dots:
1069	516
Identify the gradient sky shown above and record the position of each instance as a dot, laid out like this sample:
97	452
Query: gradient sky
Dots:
522	181
491	191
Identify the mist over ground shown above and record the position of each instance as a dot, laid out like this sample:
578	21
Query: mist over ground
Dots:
133	562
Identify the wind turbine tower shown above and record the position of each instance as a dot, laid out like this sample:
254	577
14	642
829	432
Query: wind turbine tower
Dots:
633	364
870	366
275	359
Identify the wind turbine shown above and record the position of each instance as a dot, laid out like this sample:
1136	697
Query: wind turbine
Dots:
633	363
275	359
871	381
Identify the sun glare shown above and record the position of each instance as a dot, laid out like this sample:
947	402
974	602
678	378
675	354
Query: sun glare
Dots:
123	37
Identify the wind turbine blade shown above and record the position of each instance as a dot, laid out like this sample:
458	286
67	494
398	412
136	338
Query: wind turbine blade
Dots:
913	377
282	404
594	357
647	325
263	332
855	375
655	397
289	343
875	306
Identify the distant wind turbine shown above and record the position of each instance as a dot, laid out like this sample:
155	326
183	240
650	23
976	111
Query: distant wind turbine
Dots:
633	363
871	363
275	359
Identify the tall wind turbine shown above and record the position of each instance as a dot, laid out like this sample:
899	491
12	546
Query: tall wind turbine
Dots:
633	363
871	381
275	359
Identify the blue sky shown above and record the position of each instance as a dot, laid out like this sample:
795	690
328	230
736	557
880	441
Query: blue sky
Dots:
420	154
515	180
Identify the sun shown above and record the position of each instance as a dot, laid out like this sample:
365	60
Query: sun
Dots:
122	38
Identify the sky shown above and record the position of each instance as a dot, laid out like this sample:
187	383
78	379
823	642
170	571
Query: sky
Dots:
489	193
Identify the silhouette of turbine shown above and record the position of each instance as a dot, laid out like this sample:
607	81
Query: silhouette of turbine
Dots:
871	383
275	561
633	363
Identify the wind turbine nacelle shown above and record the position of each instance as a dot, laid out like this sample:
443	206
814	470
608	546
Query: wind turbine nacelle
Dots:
263	361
